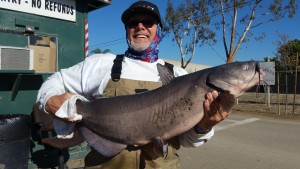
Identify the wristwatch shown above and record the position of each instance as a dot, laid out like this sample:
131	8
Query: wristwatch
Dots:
200	130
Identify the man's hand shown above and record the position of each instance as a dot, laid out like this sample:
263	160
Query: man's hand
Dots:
55	102
212	111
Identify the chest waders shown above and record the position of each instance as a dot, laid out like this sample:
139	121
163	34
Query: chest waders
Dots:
138	158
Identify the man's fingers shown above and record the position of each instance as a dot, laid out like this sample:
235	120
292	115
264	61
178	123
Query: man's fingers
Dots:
55	102
210	96
215	94
206	106
213	113
223	114
211	104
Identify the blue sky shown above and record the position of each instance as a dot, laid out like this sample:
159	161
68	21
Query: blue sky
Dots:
106	31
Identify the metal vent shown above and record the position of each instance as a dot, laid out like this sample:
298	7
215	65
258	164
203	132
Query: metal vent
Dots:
12	58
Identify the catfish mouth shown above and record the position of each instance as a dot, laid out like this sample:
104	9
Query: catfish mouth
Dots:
218	89
236	91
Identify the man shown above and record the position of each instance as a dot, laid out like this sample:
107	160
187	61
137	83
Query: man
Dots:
99	75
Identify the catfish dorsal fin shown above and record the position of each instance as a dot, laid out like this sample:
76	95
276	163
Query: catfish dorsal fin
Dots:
165	74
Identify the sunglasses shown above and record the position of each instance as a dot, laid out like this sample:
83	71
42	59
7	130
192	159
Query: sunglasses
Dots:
148	23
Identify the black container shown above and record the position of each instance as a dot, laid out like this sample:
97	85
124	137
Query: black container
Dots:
14	141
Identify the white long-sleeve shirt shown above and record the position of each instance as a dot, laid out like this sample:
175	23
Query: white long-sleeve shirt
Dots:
90	77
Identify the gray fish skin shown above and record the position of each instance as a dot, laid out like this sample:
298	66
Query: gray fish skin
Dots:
166	111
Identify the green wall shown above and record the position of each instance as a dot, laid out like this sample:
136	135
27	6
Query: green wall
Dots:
18	89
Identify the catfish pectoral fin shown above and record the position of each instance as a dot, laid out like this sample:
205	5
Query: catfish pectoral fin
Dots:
155	149
103	146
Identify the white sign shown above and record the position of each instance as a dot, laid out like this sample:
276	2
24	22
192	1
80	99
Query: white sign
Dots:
269	70
60	9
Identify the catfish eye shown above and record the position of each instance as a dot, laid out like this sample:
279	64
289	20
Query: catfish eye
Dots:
245	67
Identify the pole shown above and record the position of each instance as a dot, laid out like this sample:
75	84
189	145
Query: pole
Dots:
268	90
286	91
86	33
278	93
296	79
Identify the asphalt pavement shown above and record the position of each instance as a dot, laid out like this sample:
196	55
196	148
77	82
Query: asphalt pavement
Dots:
244	141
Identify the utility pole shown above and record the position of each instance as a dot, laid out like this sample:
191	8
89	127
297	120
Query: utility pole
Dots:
268	91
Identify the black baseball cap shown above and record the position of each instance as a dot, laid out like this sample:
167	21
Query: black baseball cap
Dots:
141	7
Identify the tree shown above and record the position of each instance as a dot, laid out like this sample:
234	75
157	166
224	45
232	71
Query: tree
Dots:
260	12
189	23
287	54
97	50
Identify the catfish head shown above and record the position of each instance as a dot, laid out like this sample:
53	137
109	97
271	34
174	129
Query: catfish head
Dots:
235	78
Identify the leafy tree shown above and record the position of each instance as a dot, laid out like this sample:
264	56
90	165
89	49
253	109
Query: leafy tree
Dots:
261	12
97	50
288	53
189	23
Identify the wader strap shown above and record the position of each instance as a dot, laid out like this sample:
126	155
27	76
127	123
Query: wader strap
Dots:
169	66
117	68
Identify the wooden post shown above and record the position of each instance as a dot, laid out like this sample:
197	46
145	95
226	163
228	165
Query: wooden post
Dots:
296	79
286	91
278	93
268	91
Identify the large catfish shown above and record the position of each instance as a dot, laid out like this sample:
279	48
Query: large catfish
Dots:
111	124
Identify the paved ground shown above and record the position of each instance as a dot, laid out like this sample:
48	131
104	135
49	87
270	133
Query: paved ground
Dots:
248	141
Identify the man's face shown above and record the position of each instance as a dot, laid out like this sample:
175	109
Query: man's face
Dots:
140	30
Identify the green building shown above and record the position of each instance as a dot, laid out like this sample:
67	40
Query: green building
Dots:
37	38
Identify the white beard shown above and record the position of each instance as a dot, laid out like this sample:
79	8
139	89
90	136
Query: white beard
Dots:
138	47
